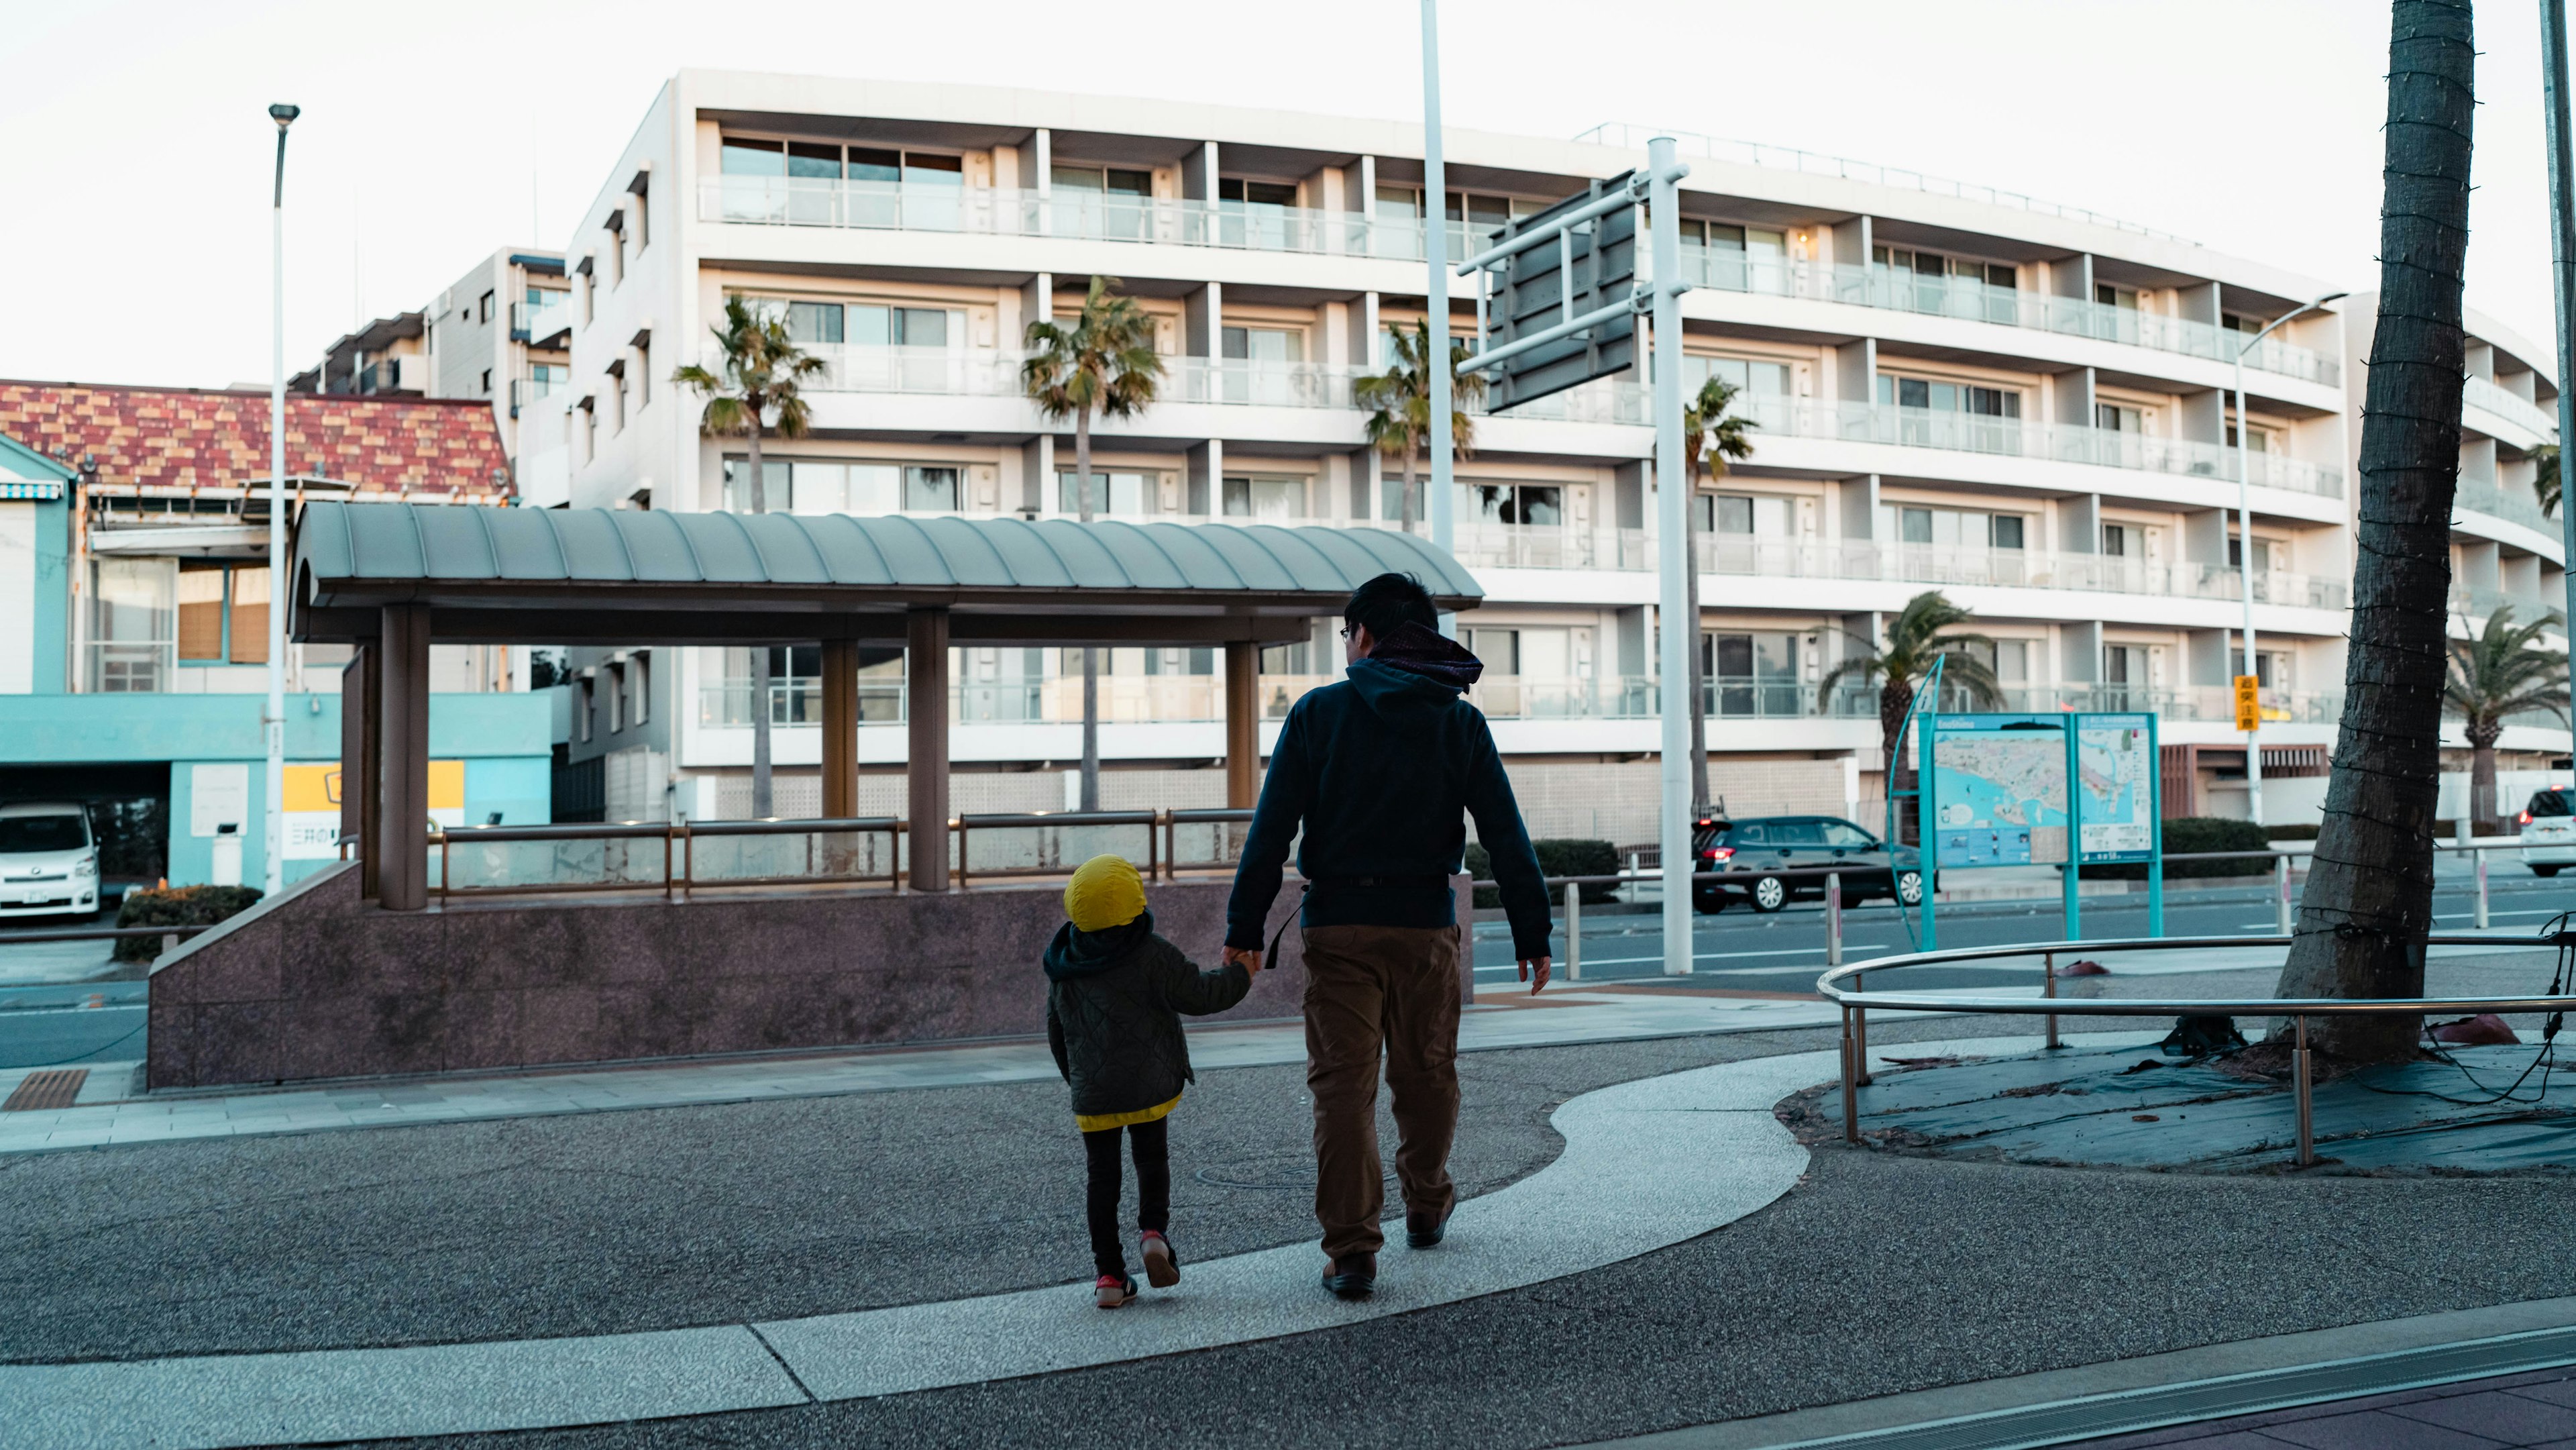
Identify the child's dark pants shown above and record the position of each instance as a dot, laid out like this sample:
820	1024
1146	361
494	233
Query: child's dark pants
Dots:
1153	1188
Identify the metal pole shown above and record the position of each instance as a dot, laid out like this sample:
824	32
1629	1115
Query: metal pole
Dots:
1573	932
1834	919
2481	858
2562	258
273	721
2307	1111
1851	1090
2281	895
2245	577
2048	989
1860	1033
1435	206
1672	529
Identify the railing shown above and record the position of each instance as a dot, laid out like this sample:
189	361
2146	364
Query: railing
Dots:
673	858
132	667
1763	557
2513	503
1604	401
1259	384
1856	1002
1800	417
2512	407
535	323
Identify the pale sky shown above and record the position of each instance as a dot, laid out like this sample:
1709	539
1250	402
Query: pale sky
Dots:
136	243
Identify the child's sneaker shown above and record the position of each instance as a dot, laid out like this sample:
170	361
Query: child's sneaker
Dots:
1112	1290
1162	1266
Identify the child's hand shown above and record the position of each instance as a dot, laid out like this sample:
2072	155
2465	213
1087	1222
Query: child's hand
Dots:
1249	960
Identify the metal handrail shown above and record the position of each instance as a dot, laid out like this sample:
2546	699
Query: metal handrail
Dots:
679	865
100	933
1854	1003
1023	820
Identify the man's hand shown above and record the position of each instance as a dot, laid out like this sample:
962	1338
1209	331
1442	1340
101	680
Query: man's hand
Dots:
1534	972
1248	959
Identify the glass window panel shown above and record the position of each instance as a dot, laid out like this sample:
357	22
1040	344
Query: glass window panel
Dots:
753	158
1775	656
134	600
1913	393
1917	525
1758	834
1075	178
250	616
1237	343
1539	505
818	488
814	322
776	487
870	325
1489	210
1399	203
1771	517
924	327
1129	183
2115	540
875	488
1734	514
1111	492
920	169
1846	836
809	158
1797	833
1734	655
1724	238
1945	528
930	489
868	165
2008	531
1547	654
2012	661
1769	379
201	612
1942	397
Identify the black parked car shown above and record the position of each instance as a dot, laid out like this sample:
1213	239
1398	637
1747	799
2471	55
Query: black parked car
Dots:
1744	860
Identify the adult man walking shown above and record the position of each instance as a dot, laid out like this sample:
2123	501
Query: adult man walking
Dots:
1377	770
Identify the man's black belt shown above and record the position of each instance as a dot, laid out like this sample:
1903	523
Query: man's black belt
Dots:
1425	883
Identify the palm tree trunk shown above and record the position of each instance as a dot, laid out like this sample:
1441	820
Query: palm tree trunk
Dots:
2482	776
1894	699
2369	898
760	792
1090	653
1407	506
1698	666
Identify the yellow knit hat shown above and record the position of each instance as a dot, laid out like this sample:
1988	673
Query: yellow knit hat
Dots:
1106	892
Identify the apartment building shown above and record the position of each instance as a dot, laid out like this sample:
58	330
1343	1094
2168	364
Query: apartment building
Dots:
134	605
2023	405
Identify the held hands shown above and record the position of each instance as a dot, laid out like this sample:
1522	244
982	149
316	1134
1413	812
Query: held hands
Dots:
1249	960
1534	972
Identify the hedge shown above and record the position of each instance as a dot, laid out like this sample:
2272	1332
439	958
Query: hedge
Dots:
1565	857
175	906
2187	834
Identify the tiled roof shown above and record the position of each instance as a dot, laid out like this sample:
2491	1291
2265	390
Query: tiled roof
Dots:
208	438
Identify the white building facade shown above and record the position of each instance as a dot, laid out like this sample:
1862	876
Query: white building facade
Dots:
2023	407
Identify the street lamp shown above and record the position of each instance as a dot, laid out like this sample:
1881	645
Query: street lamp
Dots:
273	838
2245	555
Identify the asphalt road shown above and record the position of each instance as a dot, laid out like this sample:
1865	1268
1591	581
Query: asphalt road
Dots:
1738	950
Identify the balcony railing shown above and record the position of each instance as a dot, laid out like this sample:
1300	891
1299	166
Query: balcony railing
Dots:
537	323
1747	554
2514	503
2513	407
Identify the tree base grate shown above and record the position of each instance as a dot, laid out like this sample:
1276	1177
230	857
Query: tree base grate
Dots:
52	1089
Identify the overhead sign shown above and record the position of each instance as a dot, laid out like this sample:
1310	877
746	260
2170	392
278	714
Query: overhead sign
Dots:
2249	702
1534	297
1999	790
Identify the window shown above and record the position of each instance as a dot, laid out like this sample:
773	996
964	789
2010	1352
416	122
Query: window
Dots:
874	326
1108	181
2258	439
1940	397
1120	494
639	215
544	378
131	615
1738	259
929	489
1751	673
1844	836
1540	505
1735	513
1255	193
487	382
2116	418
2122	298
589	703
1265	344
1104	201
2115	540
810	323
616	698
248	620
1943	528
2011	661
1750	377
201	612
483	309
1265	498
643	375
2268	555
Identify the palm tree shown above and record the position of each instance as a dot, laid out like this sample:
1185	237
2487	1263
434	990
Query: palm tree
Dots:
763	374
2501	672
2544	482
1915	637
1401	399
1102	362
1714	437
2369	898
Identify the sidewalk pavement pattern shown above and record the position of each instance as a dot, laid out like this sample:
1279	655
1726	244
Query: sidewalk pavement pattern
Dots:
2531	1411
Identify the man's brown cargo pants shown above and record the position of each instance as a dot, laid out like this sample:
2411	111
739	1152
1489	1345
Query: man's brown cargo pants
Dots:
1395	989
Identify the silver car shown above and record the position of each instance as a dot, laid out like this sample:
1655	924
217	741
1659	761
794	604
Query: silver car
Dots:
2549	831
48	860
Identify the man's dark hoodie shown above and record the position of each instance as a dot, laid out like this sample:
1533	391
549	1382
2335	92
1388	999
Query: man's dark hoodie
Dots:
1112	1003
1380	770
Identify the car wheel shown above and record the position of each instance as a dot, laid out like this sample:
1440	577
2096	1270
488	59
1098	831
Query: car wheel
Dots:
1909	888
1770	893
1709	903
2544	870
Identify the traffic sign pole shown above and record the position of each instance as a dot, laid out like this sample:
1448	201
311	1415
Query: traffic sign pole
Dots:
1435	239
2074	829
1672	519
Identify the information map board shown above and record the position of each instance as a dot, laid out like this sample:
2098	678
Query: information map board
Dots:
2115	801
2041	790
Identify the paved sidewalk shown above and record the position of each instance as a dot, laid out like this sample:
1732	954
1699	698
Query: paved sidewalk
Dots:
2534	1411
111	1109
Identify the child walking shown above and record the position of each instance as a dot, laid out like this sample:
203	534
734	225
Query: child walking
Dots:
1114	994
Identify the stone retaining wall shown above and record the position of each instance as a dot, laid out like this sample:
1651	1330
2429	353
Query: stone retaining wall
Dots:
315	983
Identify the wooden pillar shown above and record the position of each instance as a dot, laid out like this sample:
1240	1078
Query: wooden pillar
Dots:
840	728
925	691
361	741
1242	724
402	840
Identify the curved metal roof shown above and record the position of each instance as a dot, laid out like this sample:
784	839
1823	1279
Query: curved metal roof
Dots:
535	573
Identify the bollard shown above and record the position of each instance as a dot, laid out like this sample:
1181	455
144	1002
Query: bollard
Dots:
1851	1099
2307	1118
2048	988
1860	1036
1573	932
1833	919
2482	888
2281	894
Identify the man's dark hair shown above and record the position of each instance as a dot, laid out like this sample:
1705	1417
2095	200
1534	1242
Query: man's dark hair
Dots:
1388	602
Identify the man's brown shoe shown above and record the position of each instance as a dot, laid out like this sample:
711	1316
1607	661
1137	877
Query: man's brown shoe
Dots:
1425	1230
1352	1277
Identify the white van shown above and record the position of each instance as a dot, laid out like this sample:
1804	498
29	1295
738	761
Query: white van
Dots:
2549	831
48	860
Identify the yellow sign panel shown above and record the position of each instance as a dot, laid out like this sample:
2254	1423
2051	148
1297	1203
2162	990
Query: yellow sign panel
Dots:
313	795
2249	702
